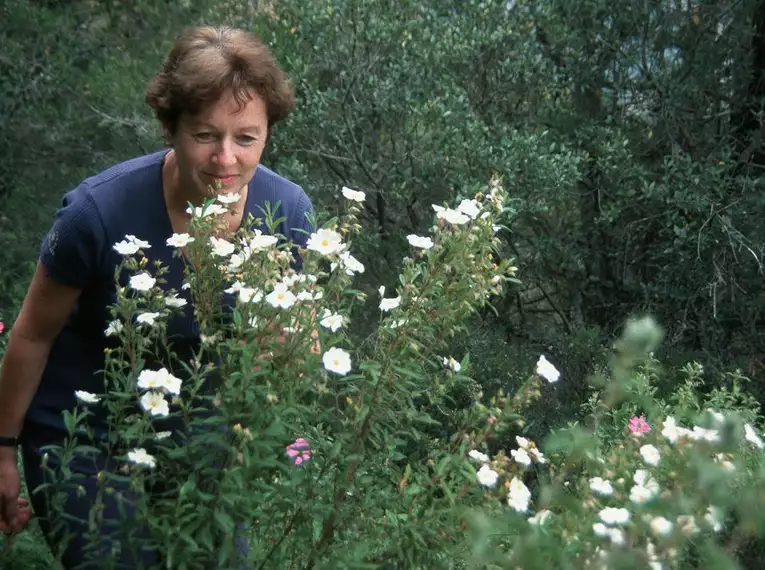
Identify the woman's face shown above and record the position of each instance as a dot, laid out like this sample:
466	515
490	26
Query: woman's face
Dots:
222	144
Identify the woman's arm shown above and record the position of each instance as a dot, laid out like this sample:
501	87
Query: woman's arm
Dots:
43	314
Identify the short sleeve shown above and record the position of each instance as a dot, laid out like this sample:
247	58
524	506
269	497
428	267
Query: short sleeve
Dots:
72	248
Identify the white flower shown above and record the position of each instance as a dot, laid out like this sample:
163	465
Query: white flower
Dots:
653	561
337	360
661	526
203	212
453	364
717	417
672	432
487	476
354	195
147	318
125	247
175	301
262	241
250	295
221	247
235	287
307	295
281	297
478	456
518	495
163	434
390	304
235	261
752	437
547	370
130	245
650	454
687	525
326	242
148	380
454	217
381	290
704	434
521	456
232	198
331	321
714	518
155	404
540	518
522	442
143	244
470	208
645	488
290	280
139	457
142	282
86	397
615	535
601	486
600	529
537	455
419	241
179	240
169	383
349	263
641	495
614	516
113	328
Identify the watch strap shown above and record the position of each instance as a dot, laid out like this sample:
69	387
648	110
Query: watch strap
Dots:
9	441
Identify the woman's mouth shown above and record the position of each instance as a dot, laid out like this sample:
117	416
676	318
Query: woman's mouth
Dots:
222	178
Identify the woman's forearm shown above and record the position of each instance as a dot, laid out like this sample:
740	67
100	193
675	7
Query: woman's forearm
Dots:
20	375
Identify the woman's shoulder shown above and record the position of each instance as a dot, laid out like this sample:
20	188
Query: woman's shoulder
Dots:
269	186
121	187
125	173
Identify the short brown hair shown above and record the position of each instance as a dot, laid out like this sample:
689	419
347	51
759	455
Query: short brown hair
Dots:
205	62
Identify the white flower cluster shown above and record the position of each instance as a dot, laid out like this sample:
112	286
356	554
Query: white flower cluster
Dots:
158	383
86	397
645	488
518	495
130	245
526	452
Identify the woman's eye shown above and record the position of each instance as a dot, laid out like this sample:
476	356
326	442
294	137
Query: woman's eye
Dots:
204	137
246	140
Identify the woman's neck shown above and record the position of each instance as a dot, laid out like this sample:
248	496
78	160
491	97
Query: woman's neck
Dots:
177	195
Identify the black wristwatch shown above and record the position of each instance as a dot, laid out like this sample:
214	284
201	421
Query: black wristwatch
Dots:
9	441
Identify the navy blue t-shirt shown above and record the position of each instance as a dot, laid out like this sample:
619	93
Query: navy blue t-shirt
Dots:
126	199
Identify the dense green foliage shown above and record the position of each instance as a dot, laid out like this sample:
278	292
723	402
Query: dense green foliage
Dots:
628	139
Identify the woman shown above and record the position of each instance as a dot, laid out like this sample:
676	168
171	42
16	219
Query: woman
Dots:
218	95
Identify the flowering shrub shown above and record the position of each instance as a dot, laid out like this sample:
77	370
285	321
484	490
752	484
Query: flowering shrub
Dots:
320	454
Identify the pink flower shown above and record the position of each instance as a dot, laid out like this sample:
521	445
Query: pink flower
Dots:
2	327
638	426
299	451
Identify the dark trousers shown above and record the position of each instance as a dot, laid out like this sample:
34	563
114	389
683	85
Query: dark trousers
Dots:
70	530
79	498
